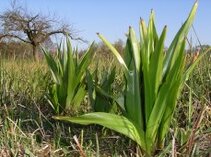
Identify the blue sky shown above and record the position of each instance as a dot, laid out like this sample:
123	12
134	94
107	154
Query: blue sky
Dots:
113	17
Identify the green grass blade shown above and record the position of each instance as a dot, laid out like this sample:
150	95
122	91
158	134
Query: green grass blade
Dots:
192	66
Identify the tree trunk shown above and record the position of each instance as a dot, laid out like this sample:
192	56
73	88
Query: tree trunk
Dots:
35	52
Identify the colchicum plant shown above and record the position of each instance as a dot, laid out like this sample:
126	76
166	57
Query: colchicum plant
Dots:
100	90
154	78
68	72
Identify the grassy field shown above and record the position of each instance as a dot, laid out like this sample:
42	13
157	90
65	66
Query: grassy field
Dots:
27	127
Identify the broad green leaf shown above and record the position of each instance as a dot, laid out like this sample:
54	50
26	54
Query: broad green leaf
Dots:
156	64
79	96
155	35
143	32
111	121
150	38
84	62
147	91
133	99
71	72
168	114
174	78
135	49
156	115
128	56
53	66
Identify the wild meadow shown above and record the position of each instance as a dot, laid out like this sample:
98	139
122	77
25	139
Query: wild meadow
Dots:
145	101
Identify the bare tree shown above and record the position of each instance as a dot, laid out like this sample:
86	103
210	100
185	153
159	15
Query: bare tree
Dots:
34	29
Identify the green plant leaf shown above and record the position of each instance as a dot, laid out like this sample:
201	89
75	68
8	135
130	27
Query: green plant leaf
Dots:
71	72
156	64
85	62
68	72
79	96
179	37
53	66
114	51
135	48
111	121
133	100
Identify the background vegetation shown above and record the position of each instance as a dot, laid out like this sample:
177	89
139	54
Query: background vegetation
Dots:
27	127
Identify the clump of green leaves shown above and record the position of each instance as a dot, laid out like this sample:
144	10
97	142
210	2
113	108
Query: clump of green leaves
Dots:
101	94
68	73
154	79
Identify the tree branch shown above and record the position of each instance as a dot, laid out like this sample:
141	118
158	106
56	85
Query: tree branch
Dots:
14	36
67	33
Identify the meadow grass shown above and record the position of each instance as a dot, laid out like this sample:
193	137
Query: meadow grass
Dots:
26	126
